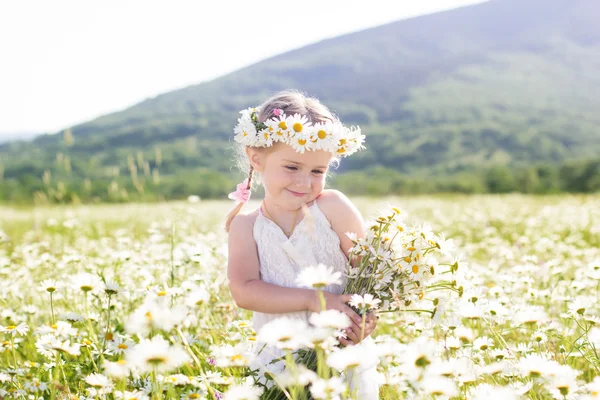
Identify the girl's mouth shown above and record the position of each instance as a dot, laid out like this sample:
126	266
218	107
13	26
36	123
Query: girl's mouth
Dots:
296	193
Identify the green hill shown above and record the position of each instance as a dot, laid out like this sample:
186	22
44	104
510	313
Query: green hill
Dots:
498	96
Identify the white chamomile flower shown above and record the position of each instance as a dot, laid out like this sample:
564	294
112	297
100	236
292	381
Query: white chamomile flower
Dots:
15	330
327	388
227	356
244	391
178	380
277	134
483	343
285	333
72	317
318	277
333	319
49	285
156	354
349	357
98	381
87	282
245	132
351	142
298	124
323	136
355	139
197	297
135	395
300	141
301	376
119	369
120	344
365	302
265	137
112	288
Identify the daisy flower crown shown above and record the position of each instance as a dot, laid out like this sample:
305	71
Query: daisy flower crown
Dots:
296	131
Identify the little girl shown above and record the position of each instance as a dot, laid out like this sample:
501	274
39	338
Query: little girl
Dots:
289	143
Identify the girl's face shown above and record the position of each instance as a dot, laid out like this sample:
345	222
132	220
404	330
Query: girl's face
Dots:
290	178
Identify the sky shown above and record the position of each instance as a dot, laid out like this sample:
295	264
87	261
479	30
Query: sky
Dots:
65	62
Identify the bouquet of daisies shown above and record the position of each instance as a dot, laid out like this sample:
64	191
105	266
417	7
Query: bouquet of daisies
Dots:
396	265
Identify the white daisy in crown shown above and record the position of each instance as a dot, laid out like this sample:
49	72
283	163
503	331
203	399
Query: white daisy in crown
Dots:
245	132
324	135
297	131
300	142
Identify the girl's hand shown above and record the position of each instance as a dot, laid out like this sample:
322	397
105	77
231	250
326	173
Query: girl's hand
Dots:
354	336
338	302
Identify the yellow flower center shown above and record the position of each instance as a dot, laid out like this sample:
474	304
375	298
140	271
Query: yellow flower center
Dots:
266	135
342	142
415	269
341	150
282	125
10	327
156	360
322	134
301	142
122	346
298	127
161	293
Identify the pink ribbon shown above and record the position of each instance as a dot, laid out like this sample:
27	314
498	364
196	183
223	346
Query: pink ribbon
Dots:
242	193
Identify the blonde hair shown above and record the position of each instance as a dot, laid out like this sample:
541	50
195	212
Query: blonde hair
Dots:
290	101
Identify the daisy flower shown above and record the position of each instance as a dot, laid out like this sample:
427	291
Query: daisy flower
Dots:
227	356
156	354
15	330
318	277
327	388
245	132
285	333
135	395
98	381
300	141
245	391
349	357
87	282
333	319
49	285
366	302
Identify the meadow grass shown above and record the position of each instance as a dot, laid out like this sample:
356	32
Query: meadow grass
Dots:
84	289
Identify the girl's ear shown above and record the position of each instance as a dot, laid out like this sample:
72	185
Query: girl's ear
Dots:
255	158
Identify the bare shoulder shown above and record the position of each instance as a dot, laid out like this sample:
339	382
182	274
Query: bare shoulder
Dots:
334	204
243	223
343	216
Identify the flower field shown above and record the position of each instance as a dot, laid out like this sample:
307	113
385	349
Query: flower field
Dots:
131	302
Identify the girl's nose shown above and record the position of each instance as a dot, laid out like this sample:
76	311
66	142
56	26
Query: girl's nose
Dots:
303	181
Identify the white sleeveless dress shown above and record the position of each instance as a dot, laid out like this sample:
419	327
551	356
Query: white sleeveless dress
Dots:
281	260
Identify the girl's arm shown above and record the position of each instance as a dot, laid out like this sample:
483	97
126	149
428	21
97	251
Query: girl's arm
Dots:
251	293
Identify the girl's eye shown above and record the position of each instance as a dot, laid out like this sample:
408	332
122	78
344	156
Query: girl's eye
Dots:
291	168
317	172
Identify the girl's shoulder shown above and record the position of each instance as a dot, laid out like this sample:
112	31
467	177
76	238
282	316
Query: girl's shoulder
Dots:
243	222
343	216
337	206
